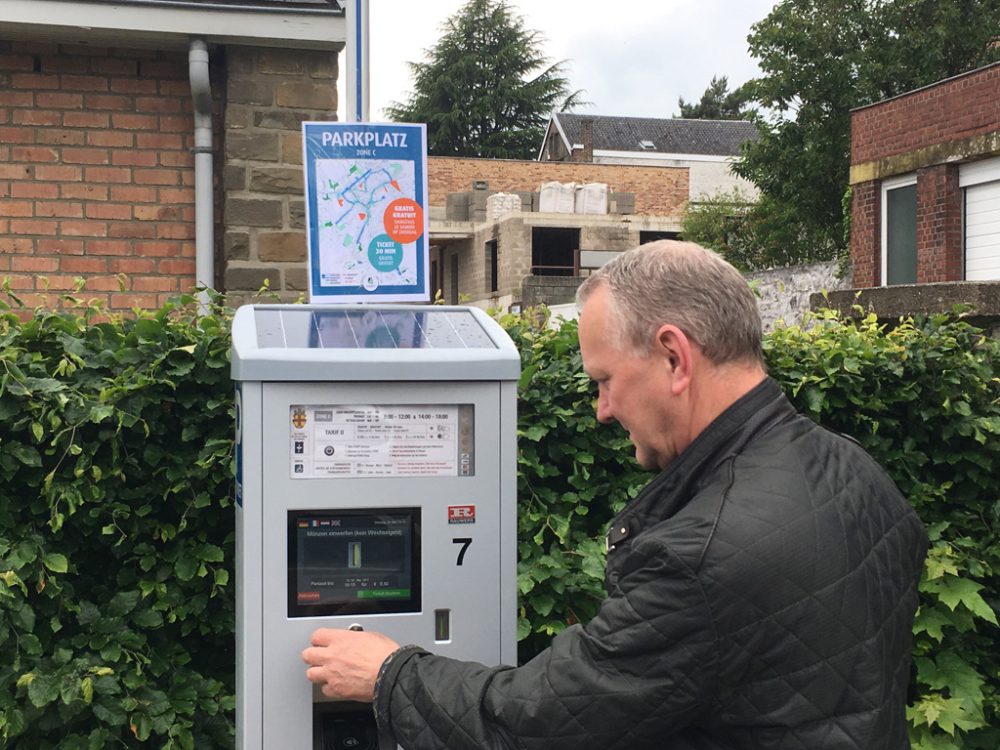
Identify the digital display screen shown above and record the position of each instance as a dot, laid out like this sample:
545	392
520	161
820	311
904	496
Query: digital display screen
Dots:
353	562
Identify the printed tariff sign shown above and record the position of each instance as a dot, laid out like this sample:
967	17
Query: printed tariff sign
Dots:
366	218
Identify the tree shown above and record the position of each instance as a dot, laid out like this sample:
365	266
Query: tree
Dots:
486	89
719	222
820	59
717	103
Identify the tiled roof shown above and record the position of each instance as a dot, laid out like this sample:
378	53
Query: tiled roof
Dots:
673	136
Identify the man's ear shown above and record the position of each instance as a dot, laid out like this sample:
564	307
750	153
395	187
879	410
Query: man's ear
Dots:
673	345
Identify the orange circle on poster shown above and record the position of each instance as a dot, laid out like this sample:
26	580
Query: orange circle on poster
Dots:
404	220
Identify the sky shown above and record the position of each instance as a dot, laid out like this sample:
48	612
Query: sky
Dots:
633	58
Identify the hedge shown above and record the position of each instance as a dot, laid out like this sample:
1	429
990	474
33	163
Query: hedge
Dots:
116	530
116	519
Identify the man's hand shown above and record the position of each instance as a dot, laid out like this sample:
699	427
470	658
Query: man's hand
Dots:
346	662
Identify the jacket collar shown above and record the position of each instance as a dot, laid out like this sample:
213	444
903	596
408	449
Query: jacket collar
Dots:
670	490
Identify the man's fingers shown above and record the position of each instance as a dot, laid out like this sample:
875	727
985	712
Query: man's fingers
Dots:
314	655
315	674
325	636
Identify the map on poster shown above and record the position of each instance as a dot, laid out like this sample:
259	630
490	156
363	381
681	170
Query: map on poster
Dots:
365	197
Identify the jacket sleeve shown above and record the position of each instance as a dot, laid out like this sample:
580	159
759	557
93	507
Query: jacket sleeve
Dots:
643	668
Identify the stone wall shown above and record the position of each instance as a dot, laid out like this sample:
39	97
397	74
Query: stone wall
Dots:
784	293
270	93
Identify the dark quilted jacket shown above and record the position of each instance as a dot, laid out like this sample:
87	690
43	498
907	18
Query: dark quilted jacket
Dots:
761	593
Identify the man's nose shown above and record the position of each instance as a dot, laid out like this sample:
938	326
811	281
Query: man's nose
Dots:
604	414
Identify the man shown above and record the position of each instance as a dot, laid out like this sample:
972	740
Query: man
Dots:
761	589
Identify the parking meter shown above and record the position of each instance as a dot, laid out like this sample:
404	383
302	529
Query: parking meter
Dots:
376	488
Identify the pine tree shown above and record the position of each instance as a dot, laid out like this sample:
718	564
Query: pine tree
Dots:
486	88
717	103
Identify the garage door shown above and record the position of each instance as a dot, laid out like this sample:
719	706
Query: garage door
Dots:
982	232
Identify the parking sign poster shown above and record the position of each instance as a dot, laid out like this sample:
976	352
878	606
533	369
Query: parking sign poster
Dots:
366	211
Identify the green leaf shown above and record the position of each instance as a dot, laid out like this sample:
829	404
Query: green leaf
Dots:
535	432
42	690
26	454
954	591
211	553
148	330
543	604
187	566
56	562
142	726
122	603
148	618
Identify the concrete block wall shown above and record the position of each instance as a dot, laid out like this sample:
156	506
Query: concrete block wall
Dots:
96	173
270	92
659	191
514	243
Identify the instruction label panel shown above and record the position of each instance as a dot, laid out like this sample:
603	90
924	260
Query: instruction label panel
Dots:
392	440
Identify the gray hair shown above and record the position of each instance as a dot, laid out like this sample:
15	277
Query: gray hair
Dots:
683	284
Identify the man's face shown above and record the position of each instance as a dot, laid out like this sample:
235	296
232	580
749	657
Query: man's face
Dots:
633	390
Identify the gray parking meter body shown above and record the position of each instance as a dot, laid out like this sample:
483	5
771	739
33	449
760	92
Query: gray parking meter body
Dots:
376	486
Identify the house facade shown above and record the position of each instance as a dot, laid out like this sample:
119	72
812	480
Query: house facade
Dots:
149	146
925	176
707	148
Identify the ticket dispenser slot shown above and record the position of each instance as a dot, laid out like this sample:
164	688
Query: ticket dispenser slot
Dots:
349	726
376	477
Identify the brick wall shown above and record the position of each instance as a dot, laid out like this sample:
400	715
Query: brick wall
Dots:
866	242
659	191
270	93
96	173
959	108
939	224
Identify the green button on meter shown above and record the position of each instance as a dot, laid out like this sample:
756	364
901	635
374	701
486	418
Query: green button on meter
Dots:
384	594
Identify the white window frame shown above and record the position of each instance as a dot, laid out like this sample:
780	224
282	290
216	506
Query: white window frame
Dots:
888	185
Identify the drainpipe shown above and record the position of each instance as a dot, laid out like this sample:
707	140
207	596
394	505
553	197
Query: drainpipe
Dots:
204	203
